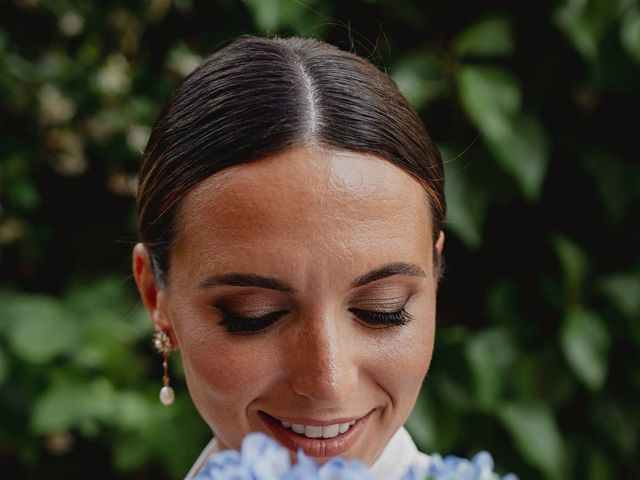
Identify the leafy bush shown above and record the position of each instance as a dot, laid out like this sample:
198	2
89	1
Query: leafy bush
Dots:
533	109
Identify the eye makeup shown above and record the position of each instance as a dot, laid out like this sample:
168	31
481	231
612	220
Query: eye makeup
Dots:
251	325
238	324
377	317
376	306
382	305
249	312
382	319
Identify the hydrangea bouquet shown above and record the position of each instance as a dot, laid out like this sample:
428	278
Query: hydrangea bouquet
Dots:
262	458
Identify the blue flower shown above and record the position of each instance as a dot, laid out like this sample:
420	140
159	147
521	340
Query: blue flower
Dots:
480	467
305	468
262	458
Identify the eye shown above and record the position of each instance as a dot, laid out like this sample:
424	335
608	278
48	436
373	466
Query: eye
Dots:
382	319
240	325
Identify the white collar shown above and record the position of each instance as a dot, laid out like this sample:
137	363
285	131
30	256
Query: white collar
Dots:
398	455
211	448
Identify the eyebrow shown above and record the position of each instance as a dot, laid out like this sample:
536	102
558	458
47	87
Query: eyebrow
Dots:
399	268
245	280
259	281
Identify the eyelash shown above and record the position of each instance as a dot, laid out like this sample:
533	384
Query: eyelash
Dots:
248	325
253	325
382	319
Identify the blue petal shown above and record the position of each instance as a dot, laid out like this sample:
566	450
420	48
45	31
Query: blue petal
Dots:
225	465
264	457
414	472
483	461
339	469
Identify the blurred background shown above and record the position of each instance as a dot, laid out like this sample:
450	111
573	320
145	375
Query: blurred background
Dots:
534	106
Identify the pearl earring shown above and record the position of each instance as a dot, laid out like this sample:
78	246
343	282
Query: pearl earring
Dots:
163	345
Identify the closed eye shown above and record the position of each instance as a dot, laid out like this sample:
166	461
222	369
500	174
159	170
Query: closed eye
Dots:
242	325
249	325
382	319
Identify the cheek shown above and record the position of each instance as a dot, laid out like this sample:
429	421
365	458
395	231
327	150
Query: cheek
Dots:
223	374
406	359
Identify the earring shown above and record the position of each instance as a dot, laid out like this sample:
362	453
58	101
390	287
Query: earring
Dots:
163	345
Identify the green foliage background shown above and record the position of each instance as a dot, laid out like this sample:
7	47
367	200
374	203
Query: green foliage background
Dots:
535	108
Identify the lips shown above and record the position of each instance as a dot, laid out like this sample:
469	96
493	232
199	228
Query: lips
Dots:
315	439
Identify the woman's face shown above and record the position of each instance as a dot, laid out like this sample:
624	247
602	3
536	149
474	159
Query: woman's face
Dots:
302	297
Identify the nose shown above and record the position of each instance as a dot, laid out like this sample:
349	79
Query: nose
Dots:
323	362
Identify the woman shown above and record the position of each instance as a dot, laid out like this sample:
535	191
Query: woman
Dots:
290	206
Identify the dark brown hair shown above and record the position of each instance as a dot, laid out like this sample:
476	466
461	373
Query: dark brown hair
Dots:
260	96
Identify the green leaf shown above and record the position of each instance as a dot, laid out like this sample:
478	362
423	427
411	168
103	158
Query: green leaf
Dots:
73	404
617	183
110	299
182	60
536	436
419	77
586	23
489	354
265	14
132	411
107	344
585	343
617	423
420	424
573	262
4	368
492	99
502	304
523	151
491	36
466	206
273	15
131	451
39	328
598	466
490	96
23	195
571	18
630	33
188	433
58	409
624	292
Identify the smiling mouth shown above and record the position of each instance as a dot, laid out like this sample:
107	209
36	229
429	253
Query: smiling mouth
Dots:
325	440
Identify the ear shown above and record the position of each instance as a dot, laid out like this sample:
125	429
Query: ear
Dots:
440	243
153	296
438	261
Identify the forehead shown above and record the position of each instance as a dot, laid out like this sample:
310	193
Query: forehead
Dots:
306	199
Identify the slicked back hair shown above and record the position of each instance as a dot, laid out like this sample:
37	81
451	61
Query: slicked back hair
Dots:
260	96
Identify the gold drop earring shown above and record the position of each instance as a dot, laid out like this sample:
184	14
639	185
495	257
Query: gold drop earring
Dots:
164	346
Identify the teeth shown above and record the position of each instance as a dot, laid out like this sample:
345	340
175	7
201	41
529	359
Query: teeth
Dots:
313	431
317	431
330	431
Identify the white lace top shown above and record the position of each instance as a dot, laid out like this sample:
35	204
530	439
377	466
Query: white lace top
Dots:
396	458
